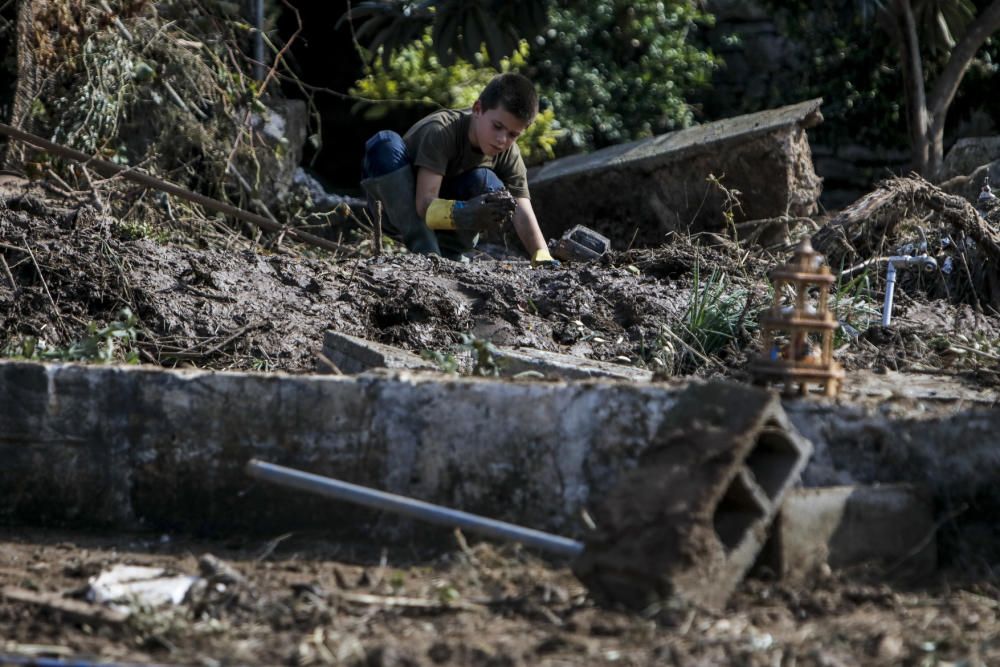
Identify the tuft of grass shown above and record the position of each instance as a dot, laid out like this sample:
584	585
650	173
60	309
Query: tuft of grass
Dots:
715	315
851	302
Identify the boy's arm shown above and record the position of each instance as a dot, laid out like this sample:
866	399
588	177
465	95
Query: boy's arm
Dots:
428	188
526	226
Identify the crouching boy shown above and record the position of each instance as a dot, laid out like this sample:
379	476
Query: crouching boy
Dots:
458	173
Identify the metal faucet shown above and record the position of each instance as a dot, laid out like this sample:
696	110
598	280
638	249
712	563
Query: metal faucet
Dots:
925	262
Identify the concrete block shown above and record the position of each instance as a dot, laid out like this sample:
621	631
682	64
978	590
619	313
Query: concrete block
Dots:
356	355
580	244
639	191
563	366
691	518
845	526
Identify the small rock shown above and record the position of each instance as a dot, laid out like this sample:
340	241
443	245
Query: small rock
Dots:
889	647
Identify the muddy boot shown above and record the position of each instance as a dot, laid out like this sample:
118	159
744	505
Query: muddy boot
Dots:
397	192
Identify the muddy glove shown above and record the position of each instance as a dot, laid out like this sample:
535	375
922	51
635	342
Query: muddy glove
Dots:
544	259
489	211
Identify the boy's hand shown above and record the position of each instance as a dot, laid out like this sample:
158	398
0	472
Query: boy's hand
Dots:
489	211
544	259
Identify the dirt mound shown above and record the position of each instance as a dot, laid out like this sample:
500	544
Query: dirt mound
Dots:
230	306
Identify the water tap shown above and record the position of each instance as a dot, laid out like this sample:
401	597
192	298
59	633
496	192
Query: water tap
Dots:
924	262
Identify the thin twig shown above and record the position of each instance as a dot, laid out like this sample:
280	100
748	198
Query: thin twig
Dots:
271	73
59	317
972	350
117	21
333	368
10	276
58	179
191	354
377	231
407	602
98	202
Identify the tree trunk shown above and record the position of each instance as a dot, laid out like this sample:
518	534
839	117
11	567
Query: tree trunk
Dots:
913	82
926	114
943	92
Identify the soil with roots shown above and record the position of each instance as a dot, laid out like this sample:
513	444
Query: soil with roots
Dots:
689	306
300	600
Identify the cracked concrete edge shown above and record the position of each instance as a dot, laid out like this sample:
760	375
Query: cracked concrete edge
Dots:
126	446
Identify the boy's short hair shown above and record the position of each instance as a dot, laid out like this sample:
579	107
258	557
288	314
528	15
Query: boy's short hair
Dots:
512	91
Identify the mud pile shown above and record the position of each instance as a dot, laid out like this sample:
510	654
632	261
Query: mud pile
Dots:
230	305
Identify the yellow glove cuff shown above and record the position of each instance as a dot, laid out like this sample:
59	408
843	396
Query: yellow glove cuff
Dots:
439	214
541	255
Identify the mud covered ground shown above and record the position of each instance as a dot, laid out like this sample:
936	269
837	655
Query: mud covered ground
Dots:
220	302
231	305
301	600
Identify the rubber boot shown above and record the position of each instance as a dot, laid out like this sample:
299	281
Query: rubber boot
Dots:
397	192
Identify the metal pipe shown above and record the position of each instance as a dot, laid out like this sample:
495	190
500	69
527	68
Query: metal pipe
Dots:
417	509
258	41
925	262
41	661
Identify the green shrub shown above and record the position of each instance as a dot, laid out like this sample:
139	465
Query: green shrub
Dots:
415	75
617	71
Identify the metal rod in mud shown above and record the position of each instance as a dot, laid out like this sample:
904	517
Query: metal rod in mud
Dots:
109	169
416	509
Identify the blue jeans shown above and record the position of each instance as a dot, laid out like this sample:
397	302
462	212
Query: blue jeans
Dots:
386	152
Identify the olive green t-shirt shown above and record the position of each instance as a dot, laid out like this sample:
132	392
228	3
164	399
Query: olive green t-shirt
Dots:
440	142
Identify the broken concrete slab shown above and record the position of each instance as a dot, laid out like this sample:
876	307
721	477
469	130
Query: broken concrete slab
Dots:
553	365
919	386
689	521
356	355
890	527
638	192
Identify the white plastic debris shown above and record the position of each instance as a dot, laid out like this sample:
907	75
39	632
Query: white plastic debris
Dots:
126	586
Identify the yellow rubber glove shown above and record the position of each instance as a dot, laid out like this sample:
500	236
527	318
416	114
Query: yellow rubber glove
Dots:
488	211
439	214
543	258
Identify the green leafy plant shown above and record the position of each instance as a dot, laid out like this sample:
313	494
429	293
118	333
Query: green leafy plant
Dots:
445	361
617	70
614	70
481	351
483	359
114	342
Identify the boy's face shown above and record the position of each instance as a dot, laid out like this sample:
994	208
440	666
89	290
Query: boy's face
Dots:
495	130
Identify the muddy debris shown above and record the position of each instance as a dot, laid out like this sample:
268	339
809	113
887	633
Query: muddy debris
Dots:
245	308
910	216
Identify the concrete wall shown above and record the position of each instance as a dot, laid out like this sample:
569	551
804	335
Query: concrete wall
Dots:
125	445
132	445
